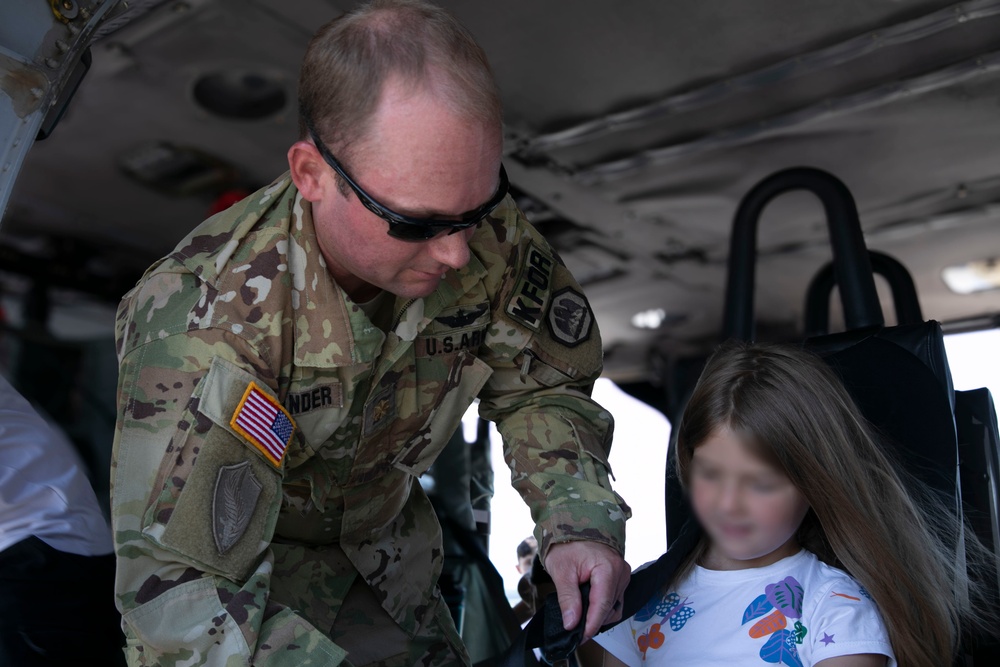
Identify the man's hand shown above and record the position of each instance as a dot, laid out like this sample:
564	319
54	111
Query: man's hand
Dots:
572	563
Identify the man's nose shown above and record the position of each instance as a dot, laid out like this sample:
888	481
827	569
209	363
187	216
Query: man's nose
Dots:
452	250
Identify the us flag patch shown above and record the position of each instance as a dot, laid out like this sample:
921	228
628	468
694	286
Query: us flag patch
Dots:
264	422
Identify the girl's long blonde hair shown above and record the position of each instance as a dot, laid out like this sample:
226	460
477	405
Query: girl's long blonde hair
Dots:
904	548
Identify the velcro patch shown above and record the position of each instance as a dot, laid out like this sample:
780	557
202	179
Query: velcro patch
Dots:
264	423
531	292
570	319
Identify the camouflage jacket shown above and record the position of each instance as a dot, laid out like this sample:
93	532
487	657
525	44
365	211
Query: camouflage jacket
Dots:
260	410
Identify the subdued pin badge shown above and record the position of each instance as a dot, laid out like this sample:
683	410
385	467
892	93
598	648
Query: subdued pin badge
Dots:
380	410
236	493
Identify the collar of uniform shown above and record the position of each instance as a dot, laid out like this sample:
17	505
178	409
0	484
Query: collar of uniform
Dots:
325	332
330	331
208	250
457	283
453	286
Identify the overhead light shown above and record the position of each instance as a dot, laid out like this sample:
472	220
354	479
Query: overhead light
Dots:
649	319
972	277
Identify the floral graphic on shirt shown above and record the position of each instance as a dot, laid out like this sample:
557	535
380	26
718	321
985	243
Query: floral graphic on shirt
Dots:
780	602
672	610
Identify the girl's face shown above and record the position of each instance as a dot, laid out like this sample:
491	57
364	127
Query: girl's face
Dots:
749	509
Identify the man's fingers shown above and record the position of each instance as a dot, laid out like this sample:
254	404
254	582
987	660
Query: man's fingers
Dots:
600	606
616	608
568	593
572	564
604	595
614	613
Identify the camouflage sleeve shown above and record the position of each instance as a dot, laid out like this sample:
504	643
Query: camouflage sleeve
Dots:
194	508
545	350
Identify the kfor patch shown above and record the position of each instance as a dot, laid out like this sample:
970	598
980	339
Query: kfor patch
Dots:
264	423
570	319
531	291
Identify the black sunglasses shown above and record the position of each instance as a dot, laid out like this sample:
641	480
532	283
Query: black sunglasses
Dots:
405	227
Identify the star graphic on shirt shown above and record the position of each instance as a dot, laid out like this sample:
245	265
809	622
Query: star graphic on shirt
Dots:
827	639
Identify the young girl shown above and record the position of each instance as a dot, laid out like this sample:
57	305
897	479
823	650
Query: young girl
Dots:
814	551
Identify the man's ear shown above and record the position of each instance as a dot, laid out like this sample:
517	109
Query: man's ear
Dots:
310	172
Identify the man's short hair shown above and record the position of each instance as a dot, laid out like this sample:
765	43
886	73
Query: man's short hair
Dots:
349	60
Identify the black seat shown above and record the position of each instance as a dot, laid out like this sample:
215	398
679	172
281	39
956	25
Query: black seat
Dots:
899	376
979	451
894	373
904	293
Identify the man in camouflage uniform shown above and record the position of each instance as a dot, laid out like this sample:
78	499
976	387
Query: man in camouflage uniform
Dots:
290	369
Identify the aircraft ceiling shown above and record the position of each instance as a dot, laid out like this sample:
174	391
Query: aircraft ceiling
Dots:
632	131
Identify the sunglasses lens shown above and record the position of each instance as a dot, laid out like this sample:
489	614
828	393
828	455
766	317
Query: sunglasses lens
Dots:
413	232
424	232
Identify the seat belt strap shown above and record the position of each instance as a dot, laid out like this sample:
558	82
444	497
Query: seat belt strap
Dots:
545	627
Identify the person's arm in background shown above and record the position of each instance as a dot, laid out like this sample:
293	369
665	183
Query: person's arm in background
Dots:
44	490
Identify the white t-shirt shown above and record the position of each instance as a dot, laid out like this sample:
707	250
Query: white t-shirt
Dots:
44	490
796	612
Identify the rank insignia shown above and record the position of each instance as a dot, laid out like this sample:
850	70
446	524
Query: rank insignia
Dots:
380	410
233	503
264	423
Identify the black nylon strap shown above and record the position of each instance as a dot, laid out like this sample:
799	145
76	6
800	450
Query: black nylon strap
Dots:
545	628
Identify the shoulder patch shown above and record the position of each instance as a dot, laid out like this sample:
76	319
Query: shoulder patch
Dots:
233	503
264	423
531	291
569	318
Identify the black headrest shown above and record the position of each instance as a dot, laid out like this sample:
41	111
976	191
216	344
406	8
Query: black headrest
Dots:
900	379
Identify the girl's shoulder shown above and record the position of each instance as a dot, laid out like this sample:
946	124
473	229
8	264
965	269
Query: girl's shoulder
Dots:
827	577
818	582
